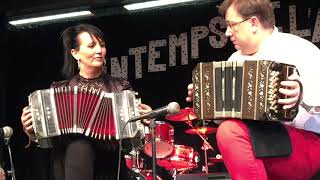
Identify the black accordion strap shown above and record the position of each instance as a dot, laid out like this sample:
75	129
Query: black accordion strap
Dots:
269	138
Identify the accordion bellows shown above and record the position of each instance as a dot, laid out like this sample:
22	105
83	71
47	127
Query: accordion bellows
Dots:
240	89
94	113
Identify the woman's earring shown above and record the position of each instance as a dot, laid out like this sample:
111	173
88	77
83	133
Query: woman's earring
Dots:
104	62
78	61
254	29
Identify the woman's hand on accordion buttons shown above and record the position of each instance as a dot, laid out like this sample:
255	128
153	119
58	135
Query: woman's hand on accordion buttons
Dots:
26	120
291	90
144	109
190	93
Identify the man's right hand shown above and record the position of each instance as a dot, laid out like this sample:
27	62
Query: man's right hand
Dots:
190	93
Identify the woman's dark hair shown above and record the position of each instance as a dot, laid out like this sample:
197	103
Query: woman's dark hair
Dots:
248	8
70	41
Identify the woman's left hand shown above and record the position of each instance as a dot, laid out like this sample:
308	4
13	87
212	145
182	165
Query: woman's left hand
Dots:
2	174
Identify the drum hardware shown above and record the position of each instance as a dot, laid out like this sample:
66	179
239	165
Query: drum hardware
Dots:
175	172
217	159
137	165
202	133
202	130
174	163
205	147
147	175
133	161
187	115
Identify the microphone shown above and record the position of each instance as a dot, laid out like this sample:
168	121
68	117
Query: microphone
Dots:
6	132
171	108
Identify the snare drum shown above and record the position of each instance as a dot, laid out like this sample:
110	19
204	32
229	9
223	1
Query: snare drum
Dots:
182	158
164	140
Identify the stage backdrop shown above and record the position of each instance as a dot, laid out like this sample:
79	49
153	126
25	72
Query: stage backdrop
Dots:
155	49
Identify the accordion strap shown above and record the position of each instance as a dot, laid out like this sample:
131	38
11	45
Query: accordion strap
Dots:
269	138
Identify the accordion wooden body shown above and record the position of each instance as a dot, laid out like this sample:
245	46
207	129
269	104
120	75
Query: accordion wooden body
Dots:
243	90
93	113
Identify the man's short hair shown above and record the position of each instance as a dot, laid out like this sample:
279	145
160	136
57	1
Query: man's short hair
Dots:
262	9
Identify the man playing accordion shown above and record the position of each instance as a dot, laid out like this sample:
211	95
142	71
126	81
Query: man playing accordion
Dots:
261	150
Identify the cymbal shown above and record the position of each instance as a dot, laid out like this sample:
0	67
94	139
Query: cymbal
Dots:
185	114
202	130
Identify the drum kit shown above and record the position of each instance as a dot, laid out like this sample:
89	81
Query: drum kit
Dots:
176	158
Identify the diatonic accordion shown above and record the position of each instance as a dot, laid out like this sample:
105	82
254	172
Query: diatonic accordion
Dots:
93	113
244	90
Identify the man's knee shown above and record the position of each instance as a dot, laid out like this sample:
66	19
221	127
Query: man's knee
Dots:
229	130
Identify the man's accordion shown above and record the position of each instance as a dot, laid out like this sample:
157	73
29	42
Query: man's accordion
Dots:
94	113
243	90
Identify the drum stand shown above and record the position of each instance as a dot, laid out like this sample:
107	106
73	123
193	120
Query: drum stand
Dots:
136	166
205	146
175	172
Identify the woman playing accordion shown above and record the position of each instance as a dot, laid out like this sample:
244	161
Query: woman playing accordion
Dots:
77	156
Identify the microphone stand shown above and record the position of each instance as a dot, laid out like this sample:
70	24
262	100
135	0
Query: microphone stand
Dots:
153	142
12	171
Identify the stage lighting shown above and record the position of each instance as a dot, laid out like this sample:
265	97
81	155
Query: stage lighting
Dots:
51	17
149	4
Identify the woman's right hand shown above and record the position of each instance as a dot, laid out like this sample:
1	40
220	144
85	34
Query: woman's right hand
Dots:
26	120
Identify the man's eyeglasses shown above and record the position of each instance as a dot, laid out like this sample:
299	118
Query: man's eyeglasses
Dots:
232	24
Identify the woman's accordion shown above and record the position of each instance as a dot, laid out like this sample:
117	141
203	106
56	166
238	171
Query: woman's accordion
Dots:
244	90
94	113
